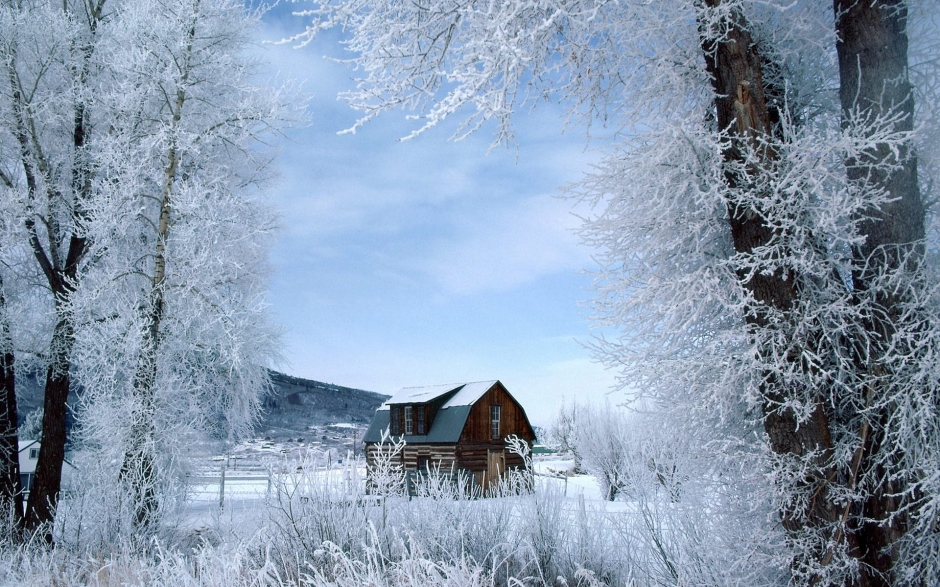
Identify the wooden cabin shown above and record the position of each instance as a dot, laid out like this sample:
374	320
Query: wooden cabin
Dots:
458	428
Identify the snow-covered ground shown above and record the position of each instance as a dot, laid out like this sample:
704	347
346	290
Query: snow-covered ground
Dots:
254	469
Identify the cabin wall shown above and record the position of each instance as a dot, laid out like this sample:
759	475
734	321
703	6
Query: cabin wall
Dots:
512	419
438	455
474	456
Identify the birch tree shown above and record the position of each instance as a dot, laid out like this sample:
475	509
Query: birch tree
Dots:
137	130
760	229
183	278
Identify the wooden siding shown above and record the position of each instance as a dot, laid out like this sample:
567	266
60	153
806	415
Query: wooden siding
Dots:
438	455
512	419
474	456
371	449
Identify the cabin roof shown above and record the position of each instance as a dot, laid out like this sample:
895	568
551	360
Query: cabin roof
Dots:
464	394
24	444
449	422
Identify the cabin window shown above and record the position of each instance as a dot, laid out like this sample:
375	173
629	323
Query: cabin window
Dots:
494	421
421	424
34	453
424	464
394	424
409	423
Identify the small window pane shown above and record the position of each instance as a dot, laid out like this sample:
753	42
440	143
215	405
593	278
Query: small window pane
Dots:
34	453
494	421
421	422
408	421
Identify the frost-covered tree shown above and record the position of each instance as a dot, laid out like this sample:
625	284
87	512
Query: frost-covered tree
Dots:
185	286
599	436
138	132
563	432
622	449
761	233
50	63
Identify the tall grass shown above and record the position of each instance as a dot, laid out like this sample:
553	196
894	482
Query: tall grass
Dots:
320	527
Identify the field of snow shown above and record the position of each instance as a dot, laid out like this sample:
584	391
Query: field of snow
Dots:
254	470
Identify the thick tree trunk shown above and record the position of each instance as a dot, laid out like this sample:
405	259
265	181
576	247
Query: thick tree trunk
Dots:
44	496
10	490
872	49
743	110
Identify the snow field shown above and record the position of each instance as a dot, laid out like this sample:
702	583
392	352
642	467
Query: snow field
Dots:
310	525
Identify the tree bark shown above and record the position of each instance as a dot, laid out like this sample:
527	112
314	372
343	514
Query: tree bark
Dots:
872	50
44	496
743	110
10	490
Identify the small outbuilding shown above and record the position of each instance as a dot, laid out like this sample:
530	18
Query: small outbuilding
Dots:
460	428
29	458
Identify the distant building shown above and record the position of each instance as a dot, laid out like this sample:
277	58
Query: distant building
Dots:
29	458
457	427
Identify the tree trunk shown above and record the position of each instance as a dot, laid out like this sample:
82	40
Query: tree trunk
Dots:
44	496
60	271
139	466
743	110
10	491
872	50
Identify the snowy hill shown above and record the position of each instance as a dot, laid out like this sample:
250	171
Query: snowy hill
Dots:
293	407
297	404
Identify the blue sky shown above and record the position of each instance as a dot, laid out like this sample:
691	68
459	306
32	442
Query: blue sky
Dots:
428	261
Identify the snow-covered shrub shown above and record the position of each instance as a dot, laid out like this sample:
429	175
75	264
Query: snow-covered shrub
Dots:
311	505
236	565
96	512
385	475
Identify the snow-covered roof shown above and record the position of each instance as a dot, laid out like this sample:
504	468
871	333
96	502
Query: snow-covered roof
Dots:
467	393
470	393
24	444
450	419
420	395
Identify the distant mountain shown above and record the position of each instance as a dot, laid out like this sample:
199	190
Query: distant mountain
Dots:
297	404
293	406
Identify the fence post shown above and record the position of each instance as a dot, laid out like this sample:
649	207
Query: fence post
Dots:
222	487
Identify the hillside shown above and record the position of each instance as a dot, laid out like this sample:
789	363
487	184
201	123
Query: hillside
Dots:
297	404
292	409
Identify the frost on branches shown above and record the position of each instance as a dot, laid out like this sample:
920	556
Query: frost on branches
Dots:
761	230
130	135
